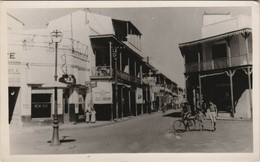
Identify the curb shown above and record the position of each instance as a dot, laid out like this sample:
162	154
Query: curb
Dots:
86	126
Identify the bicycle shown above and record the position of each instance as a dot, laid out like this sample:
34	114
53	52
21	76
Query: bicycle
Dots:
183	124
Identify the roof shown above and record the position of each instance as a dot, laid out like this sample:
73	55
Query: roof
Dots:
217	37
111	37
123	22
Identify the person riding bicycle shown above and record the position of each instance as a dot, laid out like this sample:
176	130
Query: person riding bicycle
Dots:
186	111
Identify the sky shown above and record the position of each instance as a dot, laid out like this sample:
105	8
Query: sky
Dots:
162	29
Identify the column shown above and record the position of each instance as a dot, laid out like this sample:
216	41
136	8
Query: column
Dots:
228	40
141	73
231	91
147	99
248	72
121	68
128	62
111	108
122	102
135	104
129	103
134	68
110	58
250	90
116	85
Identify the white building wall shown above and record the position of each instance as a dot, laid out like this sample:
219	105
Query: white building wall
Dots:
223	24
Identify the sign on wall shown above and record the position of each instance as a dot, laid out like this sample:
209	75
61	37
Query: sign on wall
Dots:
14	74
139	95
103	94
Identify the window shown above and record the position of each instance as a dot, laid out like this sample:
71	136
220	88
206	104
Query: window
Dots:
219	51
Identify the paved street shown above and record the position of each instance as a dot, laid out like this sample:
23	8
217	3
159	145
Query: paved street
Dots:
150	133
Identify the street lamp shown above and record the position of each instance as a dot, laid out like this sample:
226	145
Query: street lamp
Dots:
56	37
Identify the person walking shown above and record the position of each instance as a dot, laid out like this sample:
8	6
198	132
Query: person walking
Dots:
87	116
213	115
93	115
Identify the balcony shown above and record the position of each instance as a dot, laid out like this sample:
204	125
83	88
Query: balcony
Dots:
103	72
218	63
127	77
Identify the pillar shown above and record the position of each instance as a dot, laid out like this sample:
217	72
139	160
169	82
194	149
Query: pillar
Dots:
129	103
122	102
111	108
228	40
110	58
230	74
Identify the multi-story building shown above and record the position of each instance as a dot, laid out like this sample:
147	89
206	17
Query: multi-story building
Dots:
118	69
100	66
31	68
219	65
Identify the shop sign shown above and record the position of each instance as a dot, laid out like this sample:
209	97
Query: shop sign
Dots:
139	95
68	79
102	94
14	74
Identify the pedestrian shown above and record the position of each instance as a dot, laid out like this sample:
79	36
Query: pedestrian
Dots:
201	118
213	115
87	115
93	115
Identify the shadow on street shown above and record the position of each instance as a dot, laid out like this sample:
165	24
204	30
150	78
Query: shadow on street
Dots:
173	115
64	140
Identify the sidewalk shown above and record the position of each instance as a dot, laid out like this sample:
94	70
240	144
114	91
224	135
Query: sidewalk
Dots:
90	125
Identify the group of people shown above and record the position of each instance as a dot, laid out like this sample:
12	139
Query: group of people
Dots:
90	116
201	115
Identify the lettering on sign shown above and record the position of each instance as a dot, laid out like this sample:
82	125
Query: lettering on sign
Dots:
11	55
102	94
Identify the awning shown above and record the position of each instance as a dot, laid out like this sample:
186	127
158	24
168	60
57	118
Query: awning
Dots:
54	84
217	37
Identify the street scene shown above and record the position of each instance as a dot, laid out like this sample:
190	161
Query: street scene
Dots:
150	133
130	80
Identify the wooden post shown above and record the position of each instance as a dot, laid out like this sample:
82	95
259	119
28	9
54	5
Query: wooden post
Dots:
110	58
186	91
198	61
128	62
147	100
228	40
199	81
200	91
250	90
112	115
120	59
141	73
122	102
135	104
116	84
249	72
230	74
129	103
245	36
134	68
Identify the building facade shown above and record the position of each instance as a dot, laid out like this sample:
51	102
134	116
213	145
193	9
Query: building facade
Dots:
100	65
219	65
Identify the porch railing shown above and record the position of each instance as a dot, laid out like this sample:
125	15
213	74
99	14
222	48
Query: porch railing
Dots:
219	63
103	71
128	77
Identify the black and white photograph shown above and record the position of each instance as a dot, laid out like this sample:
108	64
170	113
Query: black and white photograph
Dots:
141	80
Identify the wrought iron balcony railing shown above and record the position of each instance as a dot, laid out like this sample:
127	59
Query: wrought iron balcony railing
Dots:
219	63
102	71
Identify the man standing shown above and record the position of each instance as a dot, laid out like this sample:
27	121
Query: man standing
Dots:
213	115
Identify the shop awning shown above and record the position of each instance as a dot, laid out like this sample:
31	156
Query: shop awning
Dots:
48	85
